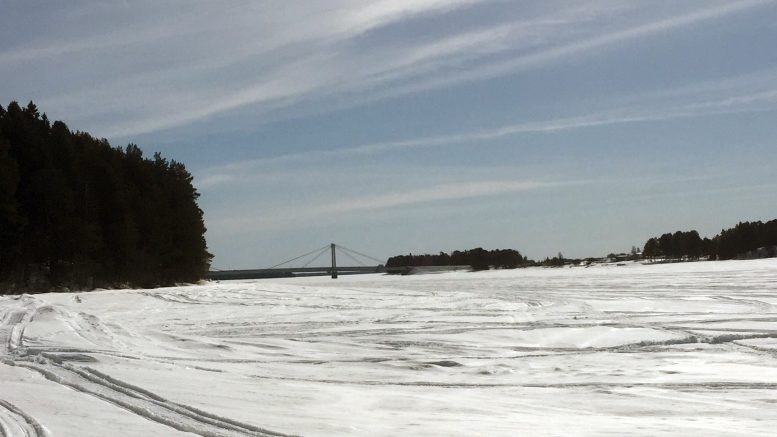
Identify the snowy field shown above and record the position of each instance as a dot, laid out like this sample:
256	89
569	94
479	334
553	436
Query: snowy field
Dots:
682	349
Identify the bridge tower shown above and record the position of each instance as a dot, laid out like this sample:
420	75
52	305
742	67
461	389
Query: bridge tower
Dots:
334	261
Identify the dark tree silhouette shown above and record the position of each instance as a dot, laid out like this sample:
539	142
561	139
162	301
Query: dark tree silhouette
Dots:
738	242
76	212
478	259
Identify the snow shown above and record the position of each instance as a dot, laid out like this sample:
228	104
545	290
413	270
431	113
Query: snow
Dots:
672	349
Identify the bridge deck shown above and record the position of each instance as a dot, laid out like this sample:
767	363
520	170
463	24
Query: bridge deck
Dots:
224	275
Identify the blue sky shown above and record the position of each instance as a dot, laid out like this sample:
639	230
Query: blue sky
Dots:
423	125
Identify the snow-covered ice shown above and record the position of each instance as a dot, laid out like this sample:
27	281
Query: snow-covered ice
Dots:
674	349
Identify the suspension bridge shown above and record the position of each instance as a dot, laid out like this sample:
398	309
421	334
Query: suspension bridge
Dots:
283	270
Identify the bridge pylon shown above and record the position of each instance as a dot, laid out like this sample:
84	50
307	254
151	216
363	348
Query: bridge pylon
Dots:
334	261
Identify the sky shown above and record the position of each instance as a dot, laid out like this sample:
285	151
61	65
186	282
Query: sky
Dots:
419	126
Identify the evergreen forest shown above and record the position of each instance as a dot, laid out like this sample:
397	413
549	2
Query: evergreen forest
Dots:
76	212
478	259
745	240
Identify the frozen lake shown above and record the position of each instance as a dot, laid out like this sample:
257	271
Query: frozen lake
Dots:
680	349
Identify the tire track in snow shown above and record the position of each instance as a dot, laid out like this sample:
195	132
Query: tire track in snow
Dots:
704	385
17	321
143	402
15	422
12	331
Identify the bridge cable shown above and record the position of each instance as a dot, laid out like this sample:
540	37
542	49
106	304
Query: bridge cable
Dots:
361	254
296	258
351	257
351	254
321	252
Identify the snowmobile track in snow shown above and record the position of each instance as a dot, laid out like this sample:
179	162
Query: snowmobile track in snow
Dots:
696	386
12	331
144	403
15	422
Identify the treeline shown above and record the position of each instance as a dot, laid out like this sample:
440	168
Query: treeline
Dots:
478	259
742	241
77	212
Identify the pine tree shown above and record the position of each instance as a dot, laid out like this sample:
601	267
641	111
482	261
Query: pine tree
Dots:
74	211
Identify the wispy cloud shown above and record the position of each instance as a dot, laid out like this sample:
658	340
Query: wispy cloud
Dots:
402	72
299	215
754	101
359	19
580	47
215	59
209	60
